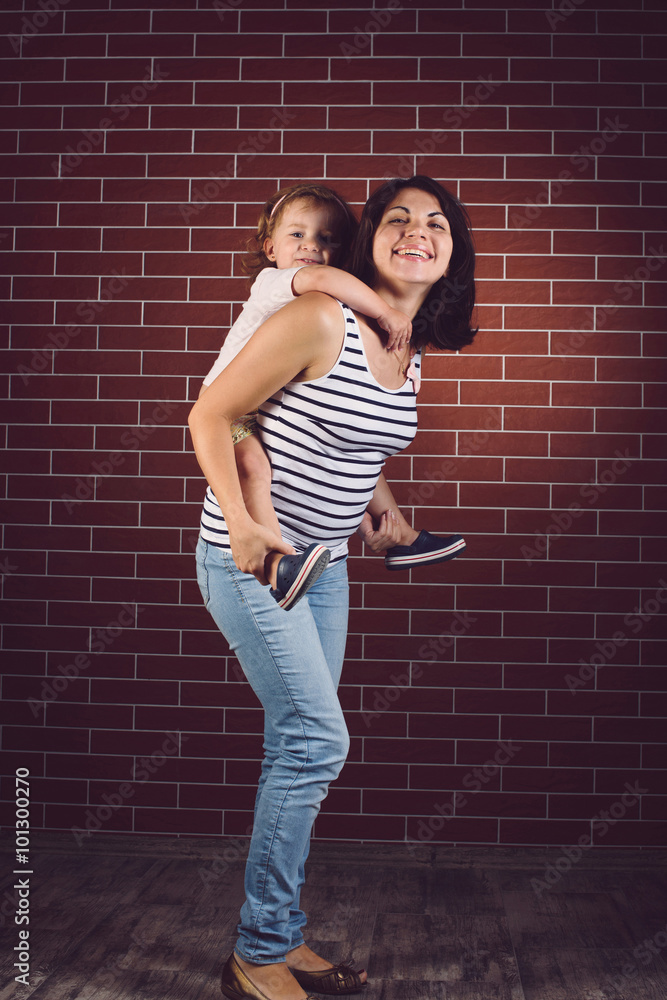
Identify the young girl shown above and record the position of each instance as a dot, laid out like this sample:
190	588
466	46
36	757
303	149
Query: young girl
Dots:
304	231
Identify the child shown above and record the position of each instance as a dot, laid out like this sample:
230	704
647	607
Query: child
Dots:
303	232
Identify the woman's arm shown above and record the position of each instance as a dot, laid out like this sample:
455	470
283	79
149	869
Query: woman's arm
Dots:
300	342
357	295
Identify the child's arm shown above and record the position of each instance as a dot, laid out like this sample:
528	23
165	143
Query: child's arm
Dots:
357	295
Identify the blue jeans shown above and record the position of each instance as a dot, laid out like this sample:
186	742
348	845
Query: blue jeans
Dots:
293	660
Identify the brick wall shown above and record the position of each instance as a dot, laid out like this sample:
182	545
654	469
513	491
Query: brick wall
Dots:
513	696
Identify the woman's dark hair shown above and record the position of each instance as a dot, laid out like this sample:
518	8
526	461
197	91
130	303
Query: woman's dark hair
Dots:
444	318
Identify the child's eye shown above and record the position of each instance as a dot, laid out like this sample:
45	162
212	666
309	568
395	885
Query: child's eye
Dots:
298	235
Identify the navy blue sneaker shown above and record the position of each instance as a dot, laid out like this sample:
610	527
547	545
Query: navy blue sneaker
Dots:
297	574
425	549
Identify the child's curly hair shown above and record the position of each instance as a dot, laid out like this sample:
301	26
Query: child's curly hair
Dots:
343	224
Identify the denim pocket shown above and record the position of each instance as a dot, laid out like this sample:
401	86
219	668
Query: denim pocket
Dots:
202	571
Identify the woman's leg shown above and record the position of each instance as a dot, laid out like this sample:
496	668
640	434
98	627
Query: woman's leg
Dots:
328	601
283	658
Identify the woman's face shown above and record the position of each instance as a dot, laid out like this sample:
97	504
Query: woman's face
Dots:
413	242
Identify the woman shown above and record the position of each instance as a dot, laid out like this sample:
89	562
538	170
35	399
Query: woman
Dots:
333	404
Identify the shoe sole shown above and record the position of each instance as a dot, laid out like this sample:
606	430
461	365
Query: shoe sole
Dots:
231	994
427	558
309	573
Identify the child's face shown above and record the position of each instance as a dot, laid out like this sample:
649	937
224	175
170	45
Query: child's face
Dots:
302	236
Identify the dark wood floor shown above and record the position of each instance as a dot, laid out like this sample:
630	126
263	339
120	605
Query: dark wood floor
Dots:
152	919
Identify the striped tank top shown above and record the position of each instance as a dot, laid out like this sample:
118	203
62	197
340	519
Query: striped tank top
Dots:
327	441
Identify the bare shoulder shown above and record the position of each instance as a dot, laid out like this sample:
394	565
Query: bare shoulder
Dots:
319	306
317	316
320	320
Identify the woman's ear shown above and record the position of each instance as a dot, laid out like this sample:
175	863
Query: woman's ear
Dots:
268	248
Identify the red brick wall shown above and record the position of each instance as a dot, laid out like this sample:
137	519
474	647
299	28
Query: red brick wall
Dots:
140	140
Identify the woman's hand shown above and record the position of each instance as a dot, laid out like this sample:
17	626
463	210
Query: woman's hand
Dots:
398	327
387	534
252	544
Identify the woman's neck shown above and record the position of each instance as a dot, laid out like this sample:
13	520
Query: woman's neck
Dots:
408	300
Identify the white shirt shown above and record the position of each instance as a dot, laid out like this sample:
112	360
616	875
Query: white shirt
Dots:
271	290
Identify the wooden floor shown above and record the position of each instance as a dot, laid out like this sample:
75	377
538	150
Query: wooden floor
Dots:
132	918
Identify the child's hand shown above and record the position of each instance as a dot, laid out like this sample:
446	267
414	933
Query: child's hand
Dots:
398	326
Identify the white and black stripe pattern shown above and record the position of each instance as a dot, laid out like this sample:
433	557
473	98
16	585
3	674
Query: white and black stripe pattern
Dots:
327	441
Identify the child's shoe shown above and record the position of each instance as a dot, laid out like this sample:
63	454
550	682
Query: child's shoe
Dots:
296	574
425	549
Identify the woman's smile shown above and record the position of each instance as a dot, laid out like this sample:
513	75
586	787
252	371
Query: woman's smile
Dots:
417	252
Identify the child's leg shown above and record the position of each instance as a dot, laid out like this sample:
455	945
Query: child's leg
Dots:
383	500
416	548
299	571
254	471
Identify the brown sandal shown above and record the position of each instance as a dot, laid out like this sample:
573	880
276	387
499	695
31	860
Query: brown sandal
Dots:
340	980
236	986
